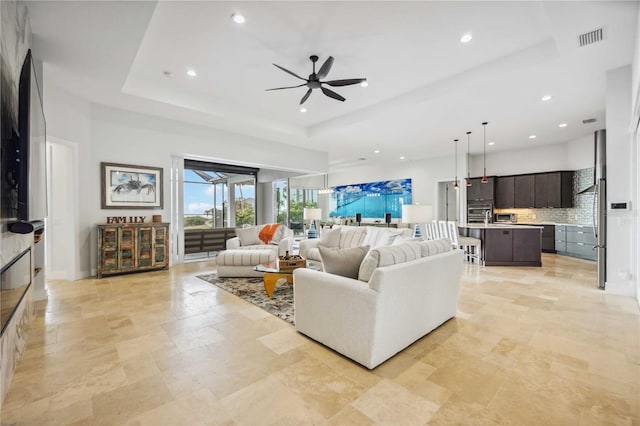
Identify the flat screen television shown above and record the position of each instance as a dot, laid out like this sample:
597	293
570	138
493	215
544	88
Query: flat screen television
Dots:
10	155
32	185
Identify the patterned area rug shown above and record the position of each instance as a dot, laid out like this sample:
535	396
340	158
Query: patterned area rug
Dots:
252	290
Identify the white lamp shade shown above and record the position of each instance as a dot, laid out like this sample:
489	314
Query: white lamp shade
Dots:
312	214
416	214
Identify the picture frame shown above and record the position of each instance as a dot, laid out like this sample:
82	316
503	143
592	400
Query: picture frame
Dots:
126	186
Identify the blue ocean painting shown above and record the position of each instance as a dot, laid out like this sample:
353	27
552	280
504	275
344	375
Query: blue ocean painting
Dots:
372	199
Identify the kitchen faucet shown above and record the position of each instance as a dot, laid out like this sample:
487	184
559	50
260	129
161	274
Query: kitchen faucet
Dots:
486	217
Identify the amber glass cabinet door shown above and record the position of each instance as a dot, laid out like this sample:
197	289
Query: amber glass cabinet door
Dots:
108	244
126	258
145	247
160	246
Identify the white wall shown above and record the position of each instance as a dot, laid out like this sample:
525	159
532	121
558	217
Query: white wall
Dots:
635	91
571	155
105	134
635	76
621	243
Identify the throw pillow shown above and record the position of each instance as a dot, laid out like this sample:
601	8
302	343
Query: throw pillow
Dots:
330	237
279	234
343	261
389	255
248	236
352	236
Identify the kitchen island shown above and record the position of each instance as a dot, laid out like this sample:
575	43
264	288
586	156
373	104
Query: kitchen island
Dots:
507	245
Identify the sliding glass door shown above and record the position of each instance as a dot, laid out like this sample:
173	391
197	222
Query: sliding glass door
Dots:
216	196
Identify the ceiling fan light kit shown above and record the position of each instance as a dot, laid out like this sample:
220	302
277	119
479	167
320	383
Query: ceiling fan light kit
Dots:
314	80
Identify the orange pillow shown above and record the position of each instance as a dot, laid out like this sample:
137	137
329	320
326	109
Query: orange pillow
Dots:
267	232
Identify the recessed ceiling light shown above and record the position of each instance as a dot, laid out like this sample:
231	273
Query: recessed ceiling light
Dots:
238	19
364	83
532	136
466	38
303	109
377	151
402	158
492	143
562	125
191	73
546	98
168	74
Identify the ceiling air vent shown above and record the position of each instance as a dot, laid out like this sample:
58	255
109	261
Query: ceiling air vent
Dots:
590	37
589	120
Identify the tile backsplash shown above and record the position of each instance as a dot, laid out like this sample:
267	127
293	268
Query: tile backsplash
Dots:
581	214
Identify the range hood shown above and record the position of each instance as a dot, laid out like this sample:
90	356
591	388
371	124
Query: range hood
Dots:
600	160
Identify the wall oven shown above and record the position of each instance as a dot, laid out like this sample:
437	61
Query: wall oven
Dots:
477	213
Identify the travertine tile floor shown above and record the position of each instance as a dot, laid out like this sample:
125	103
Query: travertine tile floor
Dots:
536	346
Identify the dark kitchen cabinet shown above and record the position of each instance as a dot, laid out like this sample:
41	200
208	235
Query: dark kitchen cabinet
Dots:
541	191
554	190
549	239
527	246
560	189
524	191
479	191
504	192
498	245
512	246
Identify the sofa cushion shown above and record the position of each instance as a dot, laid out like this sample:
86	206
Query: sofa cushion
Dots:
342	261
389	255
402	239
351	236
313	254
378	237
245	257
330	237
248	236
431	247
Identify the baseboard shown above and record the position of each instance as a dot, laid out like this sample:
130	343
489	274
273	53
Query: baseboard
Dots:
621	288
40	294
57	275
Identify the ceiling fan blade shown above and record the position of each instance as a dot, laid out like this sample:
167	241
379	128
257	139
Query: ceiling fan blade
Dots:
288	87
306	96
332	94
325	68
347	82
289	72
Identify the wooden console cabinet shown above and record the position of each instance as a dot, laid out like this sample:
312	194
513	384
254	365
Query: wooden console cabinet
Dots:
132	247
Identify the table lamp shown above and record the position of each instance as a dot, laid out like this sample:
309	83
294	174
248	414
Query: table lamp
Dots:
312	215
412	213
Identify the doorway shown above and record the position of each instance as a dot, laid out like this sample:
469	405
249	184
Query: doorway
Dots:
62	205
448	205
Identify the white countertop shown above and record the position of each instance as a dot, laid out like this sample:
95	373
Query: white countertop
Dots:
554	223
498	226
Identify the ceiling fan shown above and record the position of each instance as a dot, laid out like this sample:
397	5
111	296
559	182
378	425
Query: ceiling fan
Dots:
313	82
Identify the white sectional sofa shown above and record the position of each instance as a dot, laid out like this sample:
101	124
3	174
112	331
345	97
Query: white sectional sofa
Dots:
352	236
403	292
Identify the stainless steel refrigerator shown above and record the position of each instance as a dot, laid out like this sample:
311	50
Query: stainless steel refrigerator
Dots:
599	189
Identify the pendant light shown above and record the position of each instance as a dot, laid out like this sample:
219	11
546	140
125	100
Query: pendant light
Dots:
468	172
455	162
484	153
